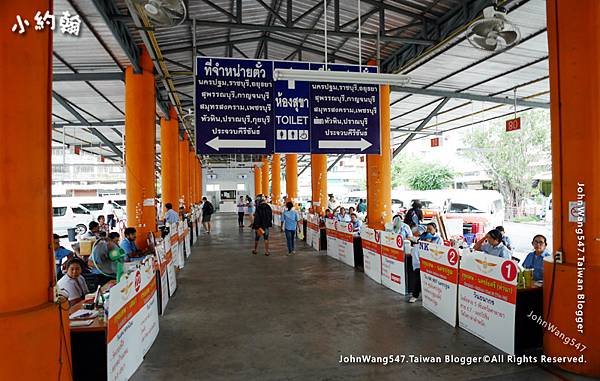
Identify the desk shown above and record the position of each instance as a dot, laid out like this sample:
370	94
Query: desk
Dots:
528	333
88	347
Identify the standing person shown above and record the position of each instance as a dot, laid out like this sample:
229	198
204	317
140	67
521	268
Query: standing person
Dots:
342	216
535	259
103	226
414	216
356	222
290	222
492	244
505	239
332	203
251	208
112	221
207	210
263	220
171	216
362	206
240	207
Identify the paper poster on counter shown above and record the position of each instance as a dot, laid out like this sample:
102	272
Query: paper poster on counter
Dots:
171	274
181	246
312	231
164	278
331	233
186	239
392	262
439	280
487	297
345	242
132	322
371	245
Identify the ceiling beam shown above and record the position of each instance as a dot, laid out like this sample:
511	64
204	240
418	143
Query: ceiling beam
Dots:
65	103
468	96
72	77
420	127
303	31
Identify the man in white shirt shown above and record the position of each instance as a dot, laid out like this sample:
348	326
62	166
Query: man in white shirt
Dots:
342	216
332	203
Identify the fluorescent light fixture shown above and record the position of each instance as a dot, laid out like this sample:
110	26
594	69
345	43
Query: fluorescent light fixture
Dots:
340	77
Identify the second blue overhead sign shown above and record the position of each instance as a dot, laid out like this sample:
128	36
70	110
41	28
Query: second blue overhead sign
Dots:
241	109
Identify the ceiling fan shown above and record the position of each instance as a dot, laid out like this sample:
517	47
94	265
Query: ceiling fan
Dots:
165	13
494	32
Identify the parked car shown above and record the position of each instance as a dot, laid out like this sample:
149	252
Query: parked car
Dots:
480	210
67	214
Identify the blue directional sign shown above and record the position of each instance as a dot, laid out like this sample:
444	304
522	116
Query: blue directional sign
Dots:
292	111
344	117
234	112
240	109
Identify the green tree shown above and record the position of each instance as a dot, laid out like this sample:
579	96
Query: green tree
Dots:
418	175
512	158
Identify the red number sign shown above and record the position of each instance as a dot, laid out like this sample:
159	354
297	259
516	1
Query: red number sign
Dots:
513	124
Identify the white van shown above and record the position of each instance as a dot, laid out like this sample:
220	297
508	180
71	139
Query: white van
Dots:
67	214
485	208
101	206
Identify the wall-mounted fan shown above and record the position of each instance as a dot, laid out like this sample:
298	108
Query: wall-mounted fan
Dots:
494	31
164	12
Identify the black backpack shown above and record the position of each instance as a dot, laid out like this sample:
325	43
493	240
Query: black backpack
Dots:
209	208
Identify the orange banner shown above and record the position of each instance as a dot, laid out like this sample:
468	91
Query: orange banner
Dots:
392	253
493	287
372	246
439	270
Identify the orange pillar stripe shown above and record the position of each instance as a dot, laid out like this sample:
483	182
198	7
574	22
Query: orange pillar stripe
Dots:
379	171
318	171
575	124
276	177
257	181
265	176
184	174
291	176
140	143
29	320
169	145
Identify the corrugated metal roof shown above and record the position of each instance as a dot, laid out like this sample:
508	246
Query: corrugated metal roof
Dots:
452	65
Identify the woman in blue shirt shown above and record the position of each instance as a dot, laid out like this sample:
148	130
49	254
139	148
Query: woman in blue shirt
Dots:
535	259
290	223
493	246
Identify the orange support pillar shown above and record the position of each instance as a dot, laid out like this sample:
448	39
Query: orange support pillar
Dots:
184	172
291	176
257	181
379	171
192	169
318	172
265	176
200	181
140	143
169	147
276	178
34	342
569	304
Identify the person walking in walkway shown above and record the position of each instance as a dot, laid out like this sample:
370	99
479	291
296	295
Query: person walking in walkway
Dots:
240	208
207	210
251	209
263	220
290	224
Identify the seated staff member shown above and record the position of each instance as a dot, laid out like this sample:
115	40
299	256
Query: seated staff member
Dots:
342	216
73	284
102	225
431	234
93	231
505	239
59	254
356	222
493	246
132	253
535	259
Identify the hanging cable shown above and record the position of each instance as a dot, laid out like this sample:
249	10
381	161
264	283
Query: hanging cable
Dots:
359	40
325	30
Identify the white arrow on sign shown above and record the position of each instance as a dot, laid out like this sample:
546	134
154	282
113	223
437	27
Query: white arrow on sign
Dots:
345	144
217	143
